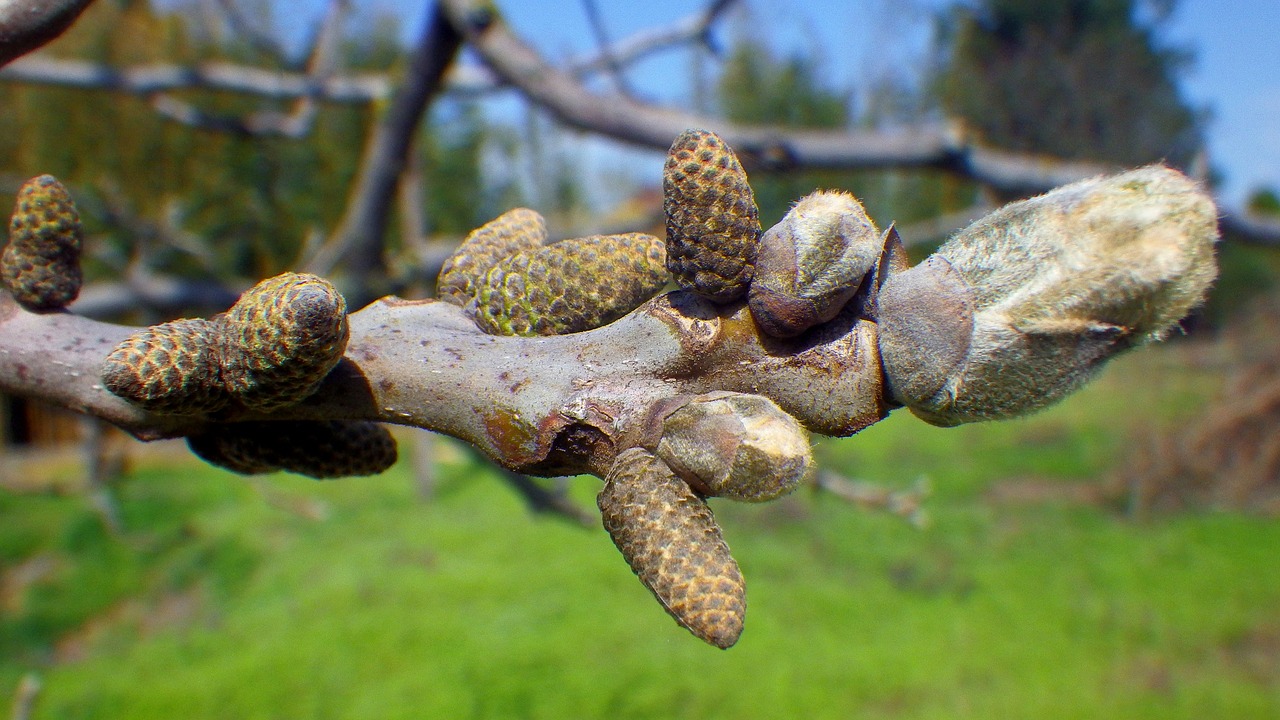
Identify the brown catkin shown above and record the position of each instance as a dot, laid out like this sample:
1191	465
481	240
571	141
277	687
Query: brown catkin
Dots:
171	369
320	449
571	286
712	221
509	233
281	339
671	540
40	265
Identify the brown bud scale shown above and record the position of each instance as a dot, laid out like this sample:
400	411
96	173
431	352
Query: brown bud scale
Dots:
509	233
41	263
171	369
671	540
712	221
571	286
320	449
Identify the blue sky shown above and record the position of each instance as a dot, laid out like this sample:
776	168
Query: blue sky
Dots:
1236	43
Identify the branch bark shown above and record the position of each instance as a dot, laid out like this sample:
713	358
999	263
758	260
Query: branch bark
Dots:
557	405
25	26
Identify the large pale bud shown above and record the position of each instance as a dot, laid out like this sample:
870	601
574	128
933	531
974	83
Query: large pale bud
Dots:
731	445
672	542
811	264
1021	307
712	221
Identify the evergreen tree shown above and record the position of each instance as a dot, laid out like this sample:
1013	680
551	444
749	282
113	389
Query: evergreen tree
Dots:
1086	79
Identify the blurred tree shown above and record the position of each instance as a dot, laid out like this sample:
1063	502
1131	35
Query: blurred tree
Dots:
757	87
1085	79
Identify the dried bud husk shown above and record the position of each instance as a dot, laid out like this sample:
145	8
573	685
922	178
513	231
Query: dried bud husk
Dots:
737	446
1021	307
812	263
509	233
320	449
173	369
713	225
281	339
41	263
671	540
571	286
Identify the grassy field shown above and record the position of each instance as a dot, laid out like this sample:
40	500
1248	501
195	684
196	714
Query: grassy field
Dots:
281	597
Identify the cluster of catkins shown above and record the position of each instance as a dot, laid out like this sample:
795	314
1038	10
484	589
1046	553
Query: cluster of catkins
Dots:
271	350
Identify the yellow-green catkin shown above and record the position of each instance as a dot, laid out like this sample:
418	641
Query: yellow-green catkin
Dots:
173	369
321	449
671	540
464	271
571	286
280	340
712	222
40	265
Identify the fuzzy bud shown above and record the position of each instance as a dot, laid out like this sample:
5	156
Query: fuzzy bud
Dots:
731	445
41	263
1021	307
320	449
811	264
509	233
672	542
712	221
171	369
281	338
571	286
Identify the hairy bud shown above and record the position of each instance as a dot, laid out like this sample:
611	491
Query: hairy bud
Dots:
171	369
731	445
41	263
811	264
320	449
509	233
281	338
671	540
1021	307
571	286
712	221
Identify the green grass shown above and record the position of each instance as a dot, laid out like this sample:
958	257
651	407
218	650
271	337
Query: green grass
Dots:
229	598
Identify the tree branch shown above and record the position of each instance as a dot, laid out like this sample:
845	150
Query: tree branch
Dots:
357	242
25	26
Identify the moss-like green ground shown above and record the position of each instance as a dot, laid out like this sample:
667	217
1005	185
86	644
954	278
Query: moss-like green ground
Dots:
285	598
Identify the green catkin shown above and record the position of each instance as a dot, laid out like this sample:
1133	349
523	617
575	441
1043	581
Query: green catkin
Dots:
672	542
40	265
712	222
571	286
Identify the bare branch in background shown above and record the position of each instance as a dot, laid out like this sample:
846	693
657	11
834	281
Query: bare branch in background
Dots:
25	26
358	240
611	63
223	76
321	63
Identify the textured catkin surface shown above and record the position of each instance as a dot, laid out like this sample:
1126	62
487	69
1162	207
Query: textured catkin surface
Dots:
320	449
171	368
571	286
712	220
671	540
41	262
511	232
281	338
